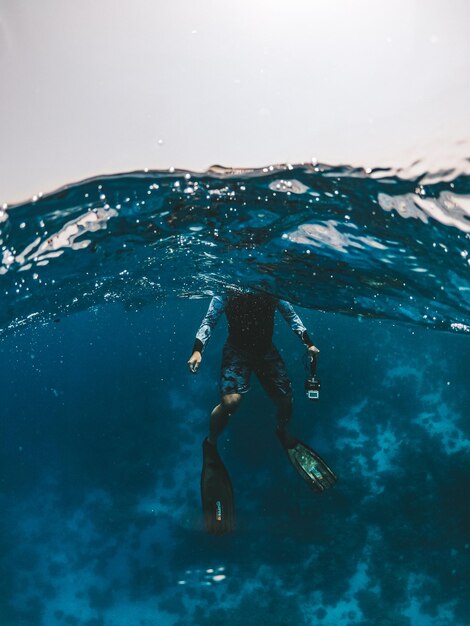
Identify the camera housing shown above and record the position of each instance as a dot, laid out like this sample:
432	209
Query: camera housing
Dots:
312	388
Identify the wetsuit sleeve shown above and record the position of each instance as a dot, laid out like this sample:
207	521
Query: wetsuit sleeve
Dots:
209	321
287	311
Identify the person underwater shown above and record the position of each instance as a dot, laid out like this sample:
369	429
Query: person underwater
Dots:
249	348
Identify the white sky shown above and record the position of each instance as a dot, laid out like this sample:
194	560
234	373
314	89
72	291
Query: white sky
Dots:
91	86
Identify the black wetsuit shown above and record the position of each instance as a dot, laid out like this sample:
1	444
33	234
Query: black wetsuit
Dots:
249	346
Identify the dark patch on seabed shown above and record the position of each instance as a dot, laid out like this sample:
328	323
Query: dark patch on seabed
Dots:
102	425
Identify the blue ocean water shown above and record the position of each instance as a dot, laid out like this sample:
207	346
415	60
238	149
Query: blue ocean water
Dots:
104	284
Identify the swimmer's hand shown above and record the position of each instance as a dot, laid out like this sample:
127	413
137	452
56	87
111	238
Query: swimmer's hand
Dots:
194	361
313	351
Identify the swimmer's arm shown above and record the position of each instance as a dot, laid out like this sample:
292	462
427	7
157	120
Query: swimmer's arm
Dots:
287	311
209	322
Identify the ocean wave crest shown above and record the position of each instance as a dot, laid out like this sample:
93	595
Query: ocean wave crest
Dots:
364	242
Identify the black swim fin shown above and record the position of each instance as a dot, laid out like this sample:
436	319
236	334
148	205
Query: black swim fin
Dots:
216	492
311	467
